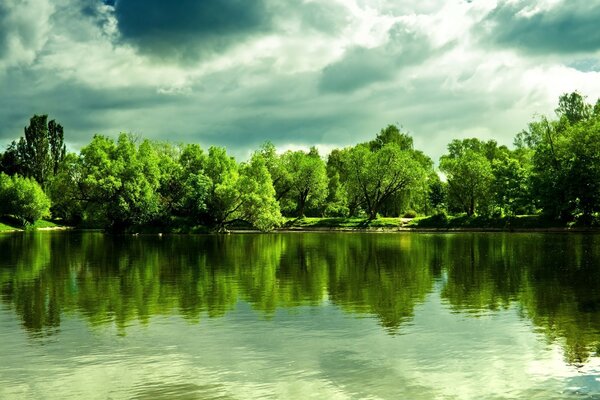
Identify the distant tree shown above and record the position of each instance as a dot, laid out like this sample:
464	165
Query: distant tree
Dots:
437	194
240	192
308	180
120	181
573	107
280	174
511	185
375	176
10	162
41	150
391	134
65	190
469	180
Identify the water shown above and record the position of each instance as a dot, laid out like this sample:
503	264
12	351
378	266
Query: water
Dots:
300	315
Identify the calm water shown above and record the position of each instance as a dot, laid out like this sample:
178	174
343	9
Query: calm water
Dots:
324	316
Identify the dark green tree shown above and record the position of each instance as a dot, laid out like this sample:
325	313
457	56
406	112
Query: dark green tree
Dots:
41	150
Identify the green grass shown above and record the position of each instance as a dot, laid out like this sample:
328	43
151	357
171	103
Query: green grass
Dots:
8	223
482	222
42	223
351	222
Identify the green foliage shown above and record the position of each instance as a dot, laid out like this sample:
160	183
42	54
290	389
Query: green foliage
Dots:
307	180
39	152
410	214
376	176
511	186
64	190
469	180
240	192
119	181
129	183
438	192
23	198
391	134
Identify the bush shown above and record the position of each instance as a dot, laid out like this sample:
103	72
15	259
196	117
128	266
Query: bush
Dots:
410	214
23	198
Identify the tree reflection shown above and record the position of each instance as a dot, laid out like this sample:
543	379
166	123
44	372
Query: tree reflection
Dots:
553	280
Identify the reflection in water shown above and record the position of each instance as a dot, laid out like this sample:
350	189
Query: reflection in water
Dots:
553	279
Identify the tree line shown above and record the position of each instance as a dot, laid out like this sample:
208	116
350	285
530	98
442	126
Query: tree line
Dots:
553	169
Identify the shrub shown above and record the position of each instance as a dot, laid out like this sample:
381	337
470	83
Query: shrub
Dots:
410	214
23	198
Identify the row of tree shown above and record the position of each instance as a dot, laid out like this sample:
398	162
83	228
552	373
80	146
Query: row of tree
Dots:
554	168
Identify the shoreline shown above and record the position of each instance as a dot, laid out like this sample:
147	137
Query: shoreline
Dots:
332	229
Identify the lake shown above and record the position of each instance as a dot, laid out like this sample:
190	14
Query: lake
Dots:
300	316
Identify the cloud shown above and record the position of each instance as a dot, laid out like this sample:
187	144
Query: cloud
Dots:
360	66
563	28
188	29
24	25
330	73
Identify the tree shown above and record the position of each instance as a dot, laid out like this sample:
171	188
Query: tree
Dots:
375	176
391	134
308	181
240	192
511	185
469	180
280	175
437	194
65	190
23	198
573	107
120	181
41	150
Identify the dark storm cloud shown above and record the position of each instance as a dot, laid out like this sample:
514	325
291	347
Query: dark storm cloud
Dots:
569	27
188	29
361	66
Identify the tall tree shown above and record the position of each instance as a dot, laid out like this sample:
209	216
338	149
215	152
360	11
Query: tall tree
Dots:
41	150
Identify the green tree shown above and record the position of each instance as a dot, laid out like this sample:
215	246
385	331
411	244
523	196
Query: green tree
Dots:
308	181
41	150
437	194
120	181
391	134
65	190
375	176
573	107
240	192
511	185
469	180
280	174
23	198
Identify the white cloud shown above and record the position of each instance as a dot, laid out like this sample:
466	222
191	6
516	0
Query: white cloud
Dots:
24	26
439	79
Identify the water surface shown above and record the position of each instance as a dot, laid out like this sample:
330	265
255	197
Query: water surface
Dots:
300	315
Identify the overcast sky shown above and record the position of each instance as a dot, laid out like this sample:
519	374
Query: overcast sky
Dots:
315	72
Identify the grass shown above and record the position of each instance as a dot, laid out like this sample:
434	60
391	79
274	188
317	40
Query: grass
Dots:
8	223
341	222
482	222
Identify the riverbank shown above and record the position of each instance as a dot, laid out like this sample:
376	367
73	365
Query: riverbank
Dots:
12	225
436	223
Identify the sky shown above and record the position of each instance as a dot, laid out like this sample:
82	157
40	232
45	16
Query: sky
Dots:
329	73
